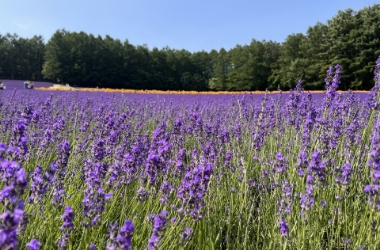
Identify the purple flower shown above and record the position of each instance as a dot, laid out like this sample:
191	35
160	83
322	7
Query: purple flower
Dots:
316	167
14	178
99	149
372	99
332	86
323	203
374	163
344	175
302	163
3	147
94	195
193	188
186	235
307	200
10	221
33	245
142	194
58	194
67	227
124	239
285	204
38	186
92	246
158	230
280	163
111	234
284	229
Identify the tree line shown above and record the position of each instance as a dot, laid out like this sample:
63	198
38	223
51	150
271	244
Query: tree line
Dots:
350	38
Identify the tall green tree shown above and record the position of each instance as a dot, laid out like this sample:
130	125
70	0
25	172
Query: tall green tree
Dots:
292	63
222	65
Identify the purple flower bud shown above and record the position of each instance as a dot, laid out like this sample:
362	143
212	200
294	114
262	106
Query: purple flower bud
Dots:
284	229
186	234
124	239
33	245
67	227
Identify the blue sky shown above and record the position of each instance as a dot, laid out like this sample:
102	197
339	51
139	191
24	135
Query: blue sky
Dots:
193	25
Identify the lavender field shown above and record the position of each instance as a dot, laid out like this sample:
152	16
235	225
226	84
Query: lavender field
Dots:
133	171
19	84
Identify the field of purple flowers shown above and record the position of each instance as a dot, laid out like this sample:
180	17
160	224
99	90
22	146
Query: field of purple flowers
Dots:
19	84
113	171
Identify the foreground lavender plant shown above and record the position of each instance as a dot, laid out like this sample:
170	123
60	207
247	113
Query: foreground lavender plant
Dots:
66	228
124	239
33	245
158	230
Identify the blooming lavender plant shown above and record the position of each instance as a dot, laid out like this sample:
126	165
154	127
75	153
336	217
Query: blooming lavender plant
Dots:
159	228
193	189
124	239
33	245
66	228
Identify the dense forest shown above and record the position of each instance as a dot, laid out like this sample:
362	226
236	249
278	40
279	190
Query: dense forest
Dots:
84	60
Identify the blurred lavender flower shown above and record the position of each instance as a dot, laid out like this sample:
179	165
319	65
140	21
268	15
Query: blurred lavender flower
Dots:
373	94
165	190
99	150
374	163
58	195
285	204
94	203
3	147
63	150
179	162
193	188
66	228
14	178
115	172
186	235
316	167
33	245
344	175
351	134
47	139
10	220
152	167
111	235
336	132
158	230
284	229
19	144
124	239
307	199
332	86
302	163
280	163
142	194
92	246
38	186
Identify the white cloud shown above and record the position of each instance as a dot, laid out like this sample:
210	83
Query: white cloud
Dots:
25	23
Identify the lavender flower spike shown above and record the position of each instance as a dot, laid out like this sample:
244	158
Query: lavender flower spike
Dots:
67	227
158	230
124	239
33	245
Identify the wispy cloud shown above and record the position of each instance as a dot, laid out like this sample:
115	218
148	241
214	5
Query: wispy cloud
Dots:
25	23
28	26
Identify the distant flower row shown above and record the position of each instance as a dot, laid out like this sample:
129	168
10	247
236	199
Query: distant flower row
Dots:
182	92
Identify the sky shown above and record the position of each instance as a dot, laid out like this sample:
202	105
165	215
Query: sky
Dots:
194	25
